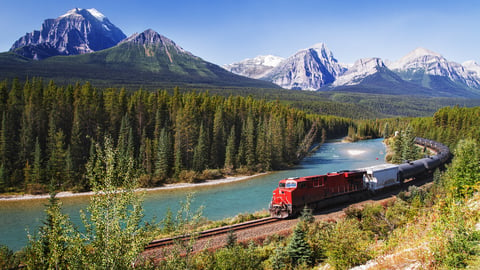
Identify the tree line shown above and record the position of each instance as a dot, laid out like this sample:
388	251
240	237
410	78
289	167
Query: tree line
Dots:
48	133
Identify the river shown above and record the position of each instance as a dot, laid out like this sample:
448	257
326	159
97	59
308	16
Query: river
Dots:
219	201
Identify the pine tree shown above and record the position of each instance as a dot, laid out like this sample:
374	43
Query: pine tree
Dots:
298	248
56	164
164	155
218	143
200	156
37	170
230	151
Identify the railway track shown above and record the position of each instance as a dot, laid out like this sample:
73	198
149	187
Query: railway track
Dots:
212	232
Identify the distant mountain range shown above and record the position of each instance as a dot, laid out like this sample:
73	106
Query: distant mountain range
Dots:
421	72
84	45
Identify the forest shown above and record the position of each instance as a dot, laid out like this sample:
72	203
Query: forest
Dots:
49	133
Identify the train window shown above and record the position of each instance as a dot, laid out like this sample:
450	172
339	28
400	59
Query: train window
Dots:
291	184
302	185
318	182
281	185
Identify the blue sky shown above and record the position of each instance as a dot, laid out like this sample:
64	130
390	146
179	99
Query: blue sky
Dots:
226	31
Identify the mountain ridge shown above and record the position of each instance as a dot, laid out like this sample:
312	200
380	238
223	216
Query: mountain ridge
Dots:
419	72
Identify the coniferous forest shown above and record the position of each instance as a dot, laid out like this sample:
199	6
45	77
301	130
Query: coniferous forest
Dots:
49	132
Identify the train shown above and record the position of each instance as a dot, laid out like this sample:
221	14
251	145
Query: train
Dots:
293	194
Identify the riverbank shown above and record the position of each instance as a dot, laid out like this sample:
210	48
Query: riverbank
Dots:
226	180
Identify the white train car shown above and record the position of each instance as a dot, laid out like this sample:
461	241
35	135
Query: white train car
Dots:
380	176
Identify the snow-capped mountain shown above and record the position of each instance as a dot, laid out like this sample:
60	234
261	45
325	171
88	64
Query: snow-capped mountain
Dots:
422	65
308	69
360	70
256	67
473	68
79	31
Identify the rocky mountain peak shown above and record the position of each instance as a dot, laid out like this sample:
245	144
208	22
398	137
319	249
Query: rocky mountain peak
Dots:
78	31
360	70
150	38
308	69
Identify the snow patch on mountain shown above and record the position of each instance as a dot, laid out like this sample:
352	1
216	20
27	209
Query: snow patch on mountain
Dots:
359	71
255	67
473	68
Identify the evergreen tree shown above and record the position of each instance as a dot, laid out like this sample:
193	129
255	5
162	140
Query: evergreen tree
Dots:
230	151
56	164
298	248
218	143
409	149
37	170
164	154
200	156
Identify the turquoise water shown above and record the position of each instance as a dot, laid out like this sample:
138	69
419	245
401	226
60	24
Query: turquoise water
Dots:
219	201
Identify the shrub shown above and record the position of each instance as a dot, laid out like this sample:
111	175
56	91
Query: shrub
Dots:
211	174
347	245
188	176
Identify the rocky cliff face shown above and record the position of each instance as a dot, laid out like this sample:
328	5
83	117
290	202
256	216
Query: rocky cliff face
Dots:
308	69
79	31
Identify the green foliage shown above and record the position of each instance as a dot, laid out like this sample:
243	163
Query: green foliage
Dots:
464	173
57	245
298	248
346	245
404	147
8	260
237	257
114	226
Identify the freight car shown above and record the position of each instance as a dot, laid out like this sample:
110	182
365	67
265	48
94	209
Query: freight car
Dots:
318	191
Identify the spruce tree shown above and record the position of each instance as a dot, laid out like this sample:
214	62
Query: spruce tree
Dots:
298	248
164	155
230	151
218	143
200	156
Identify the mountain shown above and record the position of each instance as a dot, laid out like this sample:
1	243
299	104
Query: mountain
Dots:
308	69
371	75
432	70
79	31
255	68
145	59
362	69
473	68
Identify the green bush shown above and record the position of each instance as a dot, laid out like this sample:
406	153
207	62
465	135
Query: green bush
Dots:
188	176
347	245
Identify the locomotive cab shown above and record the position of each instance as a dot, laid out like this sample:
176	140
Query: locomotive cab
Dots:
281	205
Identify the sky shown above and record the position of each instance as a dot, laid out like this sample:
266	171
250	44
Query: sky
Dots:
227	31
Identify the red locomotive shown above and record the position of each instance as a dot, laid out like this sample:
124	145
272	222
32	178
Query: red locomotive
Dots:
293	194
